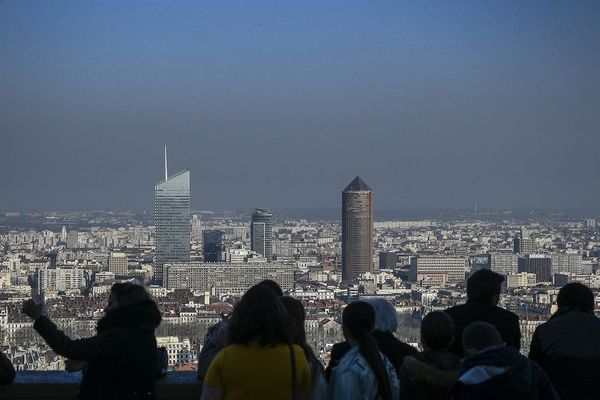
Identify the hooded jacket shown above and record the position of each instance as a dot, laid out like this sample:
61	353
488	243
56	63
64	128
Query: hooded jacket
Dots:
567	347
353	379
122	358
394	349
502	373
429	375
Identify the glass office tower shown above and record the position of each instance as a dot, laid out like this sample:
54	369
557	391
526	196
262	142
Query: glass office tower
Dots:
261	233
172	219
212	243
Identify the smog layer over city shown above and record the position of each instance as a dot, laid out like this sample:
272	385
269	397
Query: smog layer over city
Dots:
345	153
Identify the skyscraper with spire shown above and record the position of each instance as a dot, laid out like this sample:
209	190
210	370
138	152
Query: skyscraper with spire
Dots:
357	230
172	219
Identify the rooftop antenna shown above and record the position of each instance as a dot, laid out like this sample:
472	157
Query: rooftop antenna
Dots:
166	174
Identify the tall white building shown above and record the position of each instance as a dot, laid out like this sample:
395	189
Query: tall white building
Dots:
61	279
172	219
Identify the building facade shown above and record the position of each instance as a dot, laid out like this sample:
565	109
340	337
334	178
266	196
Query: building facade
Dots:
357	230
261	233
117	264
524	243
537	264
227	278
503	263
212	245
172	219
438	270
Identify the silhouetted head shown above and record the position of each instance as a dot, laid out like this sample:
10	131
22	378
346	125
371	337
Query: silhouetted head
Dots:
358	319
437	331
125	294
386	318
260	314
297	316
577	295
480	335
273	285
484	287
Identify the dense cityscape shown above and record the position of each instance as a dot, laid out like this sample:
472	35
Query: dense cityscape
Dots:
196	265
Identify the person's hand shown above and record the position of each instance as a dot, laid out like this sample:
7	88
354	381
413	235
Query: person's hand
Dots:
32	309
74	366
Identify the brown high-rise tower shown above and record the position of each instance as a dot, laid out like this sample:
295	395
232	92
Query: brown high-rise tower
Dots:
357	230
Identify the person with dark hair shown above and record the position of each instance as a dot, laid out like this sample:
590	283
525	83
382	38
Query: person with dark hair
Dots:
483	294
364	372
216	336
260	362
386	323
431	374
297	314
494	371
7	371
121	361
567	346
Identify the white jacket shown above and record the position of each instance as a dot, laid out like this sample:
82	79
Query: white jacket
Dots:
353	379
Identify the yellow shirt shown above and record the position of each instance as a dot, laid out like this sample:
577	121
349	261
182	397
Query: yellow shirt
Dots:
257	372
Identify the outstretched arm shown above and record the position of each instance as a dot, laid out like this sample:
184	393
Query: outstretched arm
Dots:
96	347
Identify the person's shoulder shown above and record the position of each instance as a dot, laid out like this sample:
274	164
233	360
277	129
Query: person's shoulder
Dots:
350	358
457	309
506	313
338	350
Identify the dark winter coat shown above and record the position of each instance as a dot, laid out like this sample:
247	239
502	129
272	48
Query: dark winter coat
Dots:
7	371
429	375
215	340
122	358
388	344
500	373
567	347
505	321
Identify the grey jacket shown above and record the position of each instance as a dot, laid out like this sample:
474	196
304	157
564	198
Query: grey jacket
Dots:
353	379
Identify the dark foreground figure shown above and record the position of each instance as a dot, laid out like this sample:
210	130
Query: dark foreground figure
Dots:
7	371
386	323
483	293
121	361
494	371
567	347
431	374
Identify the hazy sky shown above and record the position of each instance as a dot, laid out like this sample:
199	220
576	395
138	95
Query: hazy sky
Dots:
281	104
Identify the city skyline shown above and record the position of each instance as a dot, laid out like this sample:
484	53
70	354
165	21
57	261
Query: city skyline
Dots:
437	105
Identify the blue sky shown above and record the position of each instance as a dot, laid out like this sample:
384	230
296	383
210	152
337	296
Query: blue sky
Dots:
280	104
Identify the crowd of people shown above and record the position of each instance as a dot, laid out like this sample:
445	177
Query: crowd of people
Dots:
470	351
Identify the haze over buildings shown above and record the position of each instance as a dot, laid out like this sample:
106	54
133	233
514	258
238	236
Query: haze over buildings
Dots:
434	104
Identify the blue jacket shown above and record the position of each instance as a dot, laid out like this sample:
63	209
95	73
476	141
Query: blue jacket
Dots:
353	379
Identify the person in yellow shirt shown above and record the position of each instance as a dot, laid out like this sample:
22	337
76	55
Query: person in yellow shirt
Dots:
260	362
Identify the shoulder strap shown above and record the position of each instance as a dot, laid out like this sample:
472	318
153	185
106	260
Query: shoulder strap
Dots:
293	362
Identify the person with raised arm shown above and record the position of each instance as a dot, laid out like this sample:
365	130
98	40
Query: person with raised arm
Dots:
121	361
